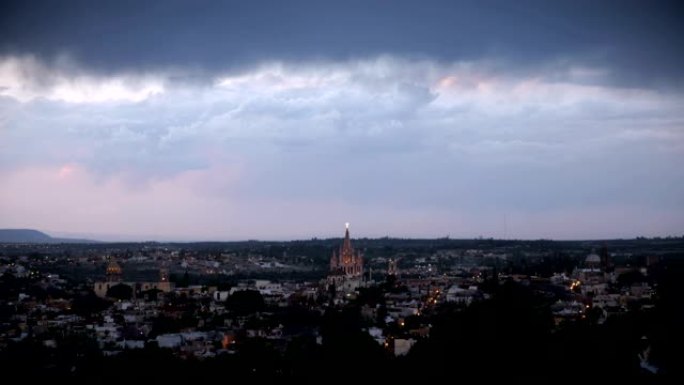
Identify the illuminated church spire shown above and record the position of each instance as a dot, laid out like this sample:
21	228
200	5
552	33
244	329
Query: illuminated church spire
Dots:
346	245
346	261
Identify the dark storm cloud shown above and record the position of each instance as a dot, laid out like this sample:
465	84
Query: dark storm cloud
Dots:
639	42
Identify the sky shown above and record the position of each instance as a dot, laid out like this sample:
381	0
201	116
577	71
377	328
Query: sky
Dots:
207	120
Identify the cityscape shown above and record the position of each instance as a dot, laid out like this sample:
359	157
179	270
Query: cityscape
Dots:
294	310
310	191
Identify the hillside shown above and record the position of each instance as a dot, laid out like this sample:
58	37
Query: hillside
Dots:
34	236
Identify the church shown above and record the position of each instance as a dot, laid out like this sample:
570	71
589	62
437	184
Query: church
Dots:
346	266
114	277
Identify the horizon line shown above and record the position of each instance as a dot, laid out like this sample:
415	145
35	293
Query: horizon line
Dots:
408	238
161	239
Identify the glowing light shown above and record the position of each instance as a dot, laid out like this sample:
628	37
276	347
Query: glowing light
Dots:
346	225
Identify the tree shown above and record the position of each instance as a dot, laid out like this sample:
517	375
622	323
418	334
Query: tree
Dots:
245	302
184	281
152	294
371	296
88	304
630	278
120	291
342	339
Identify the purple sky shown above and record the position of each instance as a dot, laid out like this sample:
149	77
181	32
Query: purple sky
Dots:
226	121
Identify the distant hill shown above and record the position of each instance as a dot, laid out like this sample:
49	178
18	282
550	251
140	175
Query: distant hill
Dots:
34	236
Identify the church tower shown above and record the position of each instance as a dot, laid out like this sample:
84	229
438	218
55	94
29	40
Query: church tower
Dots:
392	267
346	262
114	271
163	274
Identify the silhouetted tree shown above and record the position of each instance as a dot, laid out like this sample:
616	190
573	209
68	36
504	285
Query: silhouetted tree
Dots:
184	281
120	291
631	277
343	338
89	304
245	302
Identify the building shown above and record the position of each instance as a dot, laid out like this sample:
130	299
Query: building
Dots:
114	274
346	266
346	262
392	267
606	262
593	260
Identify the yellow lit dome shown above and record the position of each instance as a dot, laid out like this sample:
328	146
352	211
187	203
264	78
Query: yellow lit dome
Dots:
113	268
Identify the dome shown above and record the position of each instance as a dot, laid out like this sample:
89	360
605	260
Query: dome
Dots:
593	258
113	268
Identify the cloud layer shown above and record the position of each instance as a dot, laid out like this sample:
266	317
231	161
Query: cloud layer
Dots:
639	41
397	146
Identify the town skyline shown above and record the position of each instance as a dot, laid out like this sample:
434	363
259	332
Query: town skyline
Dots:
58	236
